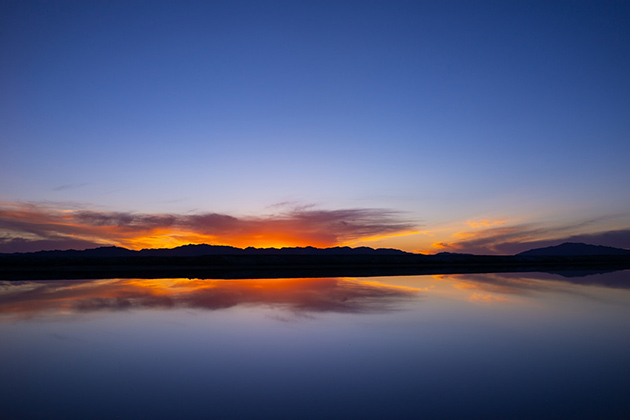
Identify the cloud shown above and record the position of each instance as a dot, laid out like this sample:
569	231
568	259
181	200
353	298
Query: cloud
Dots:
69	186
54	228
510	240
484	223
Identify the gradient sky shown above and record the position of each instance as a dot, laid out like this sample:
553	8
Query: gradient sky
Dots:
486	127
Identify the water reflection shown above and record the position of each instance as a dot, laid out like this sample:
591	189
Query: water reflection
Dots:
526	283
28	298
487	346
337	295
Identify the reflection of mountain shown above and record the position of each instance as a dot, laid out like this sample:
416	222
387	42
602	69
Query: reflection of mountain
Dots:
616	279
575	249
535	281
28	298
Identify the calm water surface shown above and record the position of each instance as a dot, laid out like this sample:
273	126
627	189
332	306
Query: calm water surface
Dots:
484	346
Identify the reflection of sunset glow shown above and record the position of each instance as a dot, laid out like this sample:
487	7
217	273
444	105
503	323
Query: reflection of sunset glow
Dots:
514	287
492	283
310	295
486	298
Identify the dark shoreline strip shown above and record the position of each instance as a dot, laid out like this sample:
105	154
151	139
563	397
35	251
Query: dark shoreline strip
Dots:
283	266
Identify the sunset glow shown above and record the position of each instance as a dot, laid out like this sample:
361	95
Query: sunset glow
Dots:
317	228
29	226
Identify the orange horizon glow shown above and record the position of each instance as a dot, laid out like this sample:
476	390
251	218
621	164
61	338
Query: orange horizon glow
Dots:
35	227
316	228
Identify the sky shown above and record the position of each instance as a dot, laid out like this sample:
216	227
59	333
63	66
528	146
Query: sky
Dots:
489	127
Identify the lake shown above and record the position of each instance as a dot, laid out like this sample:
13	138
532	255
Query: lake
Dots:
487	346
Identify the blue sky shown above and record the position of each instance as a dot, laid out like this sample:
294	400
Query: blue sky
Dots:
460	120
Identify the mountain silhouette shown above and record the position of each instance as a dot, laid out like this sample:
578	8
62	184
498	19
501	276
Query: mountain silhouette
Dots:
199	250
575	249
220	261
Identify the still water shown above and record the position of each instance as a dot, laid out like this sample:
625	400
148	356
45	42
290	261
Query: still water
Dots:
516	346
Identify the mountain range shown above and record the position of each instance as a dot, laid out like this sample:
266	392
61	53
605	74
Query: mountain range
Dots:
217	261
575	249
565	249
204	249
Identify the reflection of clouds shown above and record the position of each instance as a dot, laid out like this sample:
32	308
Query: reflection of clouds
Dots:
496	283
523	283
302	295
486	298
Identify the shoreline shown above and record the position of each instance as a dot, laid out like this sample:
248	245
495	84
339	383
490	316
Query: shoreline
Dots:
292	266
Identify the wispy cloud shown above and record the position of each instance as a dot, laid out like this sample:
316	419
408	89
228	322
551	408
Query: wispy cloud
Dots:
477	223
25	225
69	186
493	239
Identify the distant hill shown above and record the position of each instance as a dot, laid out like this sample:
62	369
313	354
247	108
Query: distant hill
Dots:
103	251
575	249
204	249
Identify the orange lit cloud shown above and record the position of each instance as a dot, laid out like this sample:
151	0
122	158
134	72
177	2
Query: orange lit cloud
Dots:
483	223
28	227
